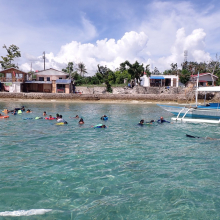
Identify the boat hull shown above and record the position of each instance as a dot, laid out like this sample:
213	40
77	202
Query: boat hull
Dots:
203	112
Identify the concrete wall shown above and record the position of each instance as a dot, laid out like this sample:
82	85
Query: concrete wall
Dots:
126	90
119	93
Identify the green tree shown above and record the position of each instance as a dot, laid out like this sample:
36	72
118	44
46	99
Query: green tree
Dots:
174	69
70	69
104	71
184	76
156	71
78	79
81	68
167	72
13	52
112	77
135	70
147	70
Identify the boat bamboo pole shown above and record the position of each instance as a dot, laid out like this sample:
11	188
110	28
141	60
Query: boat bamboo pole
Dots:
197	86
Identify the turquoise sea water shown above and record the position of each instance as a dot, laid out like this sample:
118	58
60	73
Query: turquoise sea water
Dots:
122	172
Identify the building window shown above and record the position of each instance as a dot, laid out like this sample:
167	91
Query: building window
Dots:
19	75
8	75
41	78
48	78
61	88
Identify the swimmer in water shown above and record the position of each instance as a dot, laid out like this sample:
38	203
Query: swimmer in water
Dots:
206	138
161	120
61	119
81	121
141	122
104	117
99	126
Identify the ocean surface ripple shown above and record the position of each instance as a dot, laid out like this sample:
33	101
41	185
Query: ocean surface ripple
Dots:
122	172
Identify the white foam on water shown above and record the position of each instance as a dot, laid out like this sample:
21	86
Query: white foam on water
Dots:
25	212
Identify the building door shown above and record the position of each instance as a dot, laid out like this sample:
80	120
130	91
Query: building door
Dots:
40	88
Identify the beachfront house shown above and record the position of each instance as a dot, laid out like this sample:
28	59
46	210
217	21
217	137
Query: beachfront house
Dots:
160	81
12	80
49	81
205	79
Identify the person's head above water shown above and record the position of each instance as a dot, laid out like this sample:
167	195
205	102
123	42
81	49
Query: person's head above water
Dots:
161	118
141	121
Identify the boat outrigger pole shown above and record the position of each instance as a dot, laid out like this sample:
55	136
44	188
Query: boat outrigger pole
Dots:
197	86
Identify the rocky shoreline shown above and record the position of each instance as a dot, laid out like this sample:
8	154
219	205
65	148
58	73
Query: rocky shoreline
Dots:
94	97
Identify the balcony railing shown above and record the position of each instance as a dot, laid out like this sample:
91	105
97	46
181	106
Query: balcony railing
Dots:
4	79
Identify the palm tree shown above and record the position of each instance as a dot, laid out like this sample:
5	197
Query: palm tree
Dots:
81	68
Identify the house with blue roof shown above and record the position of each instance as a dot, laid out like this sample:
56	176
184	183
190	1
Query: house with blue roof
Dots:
160	81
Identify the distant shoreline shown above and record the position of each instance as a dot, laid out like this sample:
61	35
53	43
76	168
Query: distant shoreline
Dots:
99	98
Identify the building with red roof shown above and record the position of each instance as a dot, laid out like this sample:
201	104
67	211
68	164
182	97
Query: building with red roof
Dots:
204	79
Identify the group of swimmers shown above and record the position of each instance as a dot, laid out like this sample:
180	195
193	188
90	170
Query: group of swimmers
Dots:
16	110
161	120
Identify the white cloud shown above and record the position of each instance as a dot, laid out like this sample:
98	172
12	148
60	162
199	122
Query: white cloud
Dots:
132	46
194	43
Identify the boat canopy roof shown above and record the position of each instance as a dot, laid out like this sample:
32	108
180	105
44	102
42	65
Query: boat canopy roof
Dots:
209	89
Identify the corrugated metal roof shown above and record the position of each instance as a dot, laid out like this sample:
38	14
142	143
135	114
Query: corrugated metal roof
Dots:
51	72
157	77
39	82
203	74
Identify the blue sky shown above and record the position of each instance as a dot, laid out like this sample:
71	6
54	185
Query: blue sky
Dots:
110	32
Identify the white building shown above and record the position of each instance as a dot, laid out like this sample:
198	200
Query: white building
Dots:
160	81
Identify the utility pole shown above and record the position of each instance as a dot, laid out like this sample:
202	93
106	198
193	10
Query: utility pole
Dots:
44	59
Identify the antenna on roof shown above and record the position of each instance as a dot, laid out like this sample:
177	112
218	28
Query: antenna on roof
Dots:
185	55
44	59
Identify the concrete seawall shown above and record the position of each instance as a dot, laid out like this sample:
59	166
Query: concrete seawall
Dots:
119	93
59	96
99	93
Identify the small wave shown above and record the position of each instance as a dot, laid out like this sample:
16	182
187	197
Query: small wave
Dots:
25	212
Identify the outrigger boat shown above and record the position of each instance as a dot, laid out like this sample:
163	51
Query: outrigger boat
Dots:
208	113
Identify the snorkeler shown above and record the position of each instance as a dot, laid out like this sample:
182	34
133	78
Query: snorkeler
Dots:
104	117
206	138
14	112
60	119
146	123
161	120
81	121
99	126
141	122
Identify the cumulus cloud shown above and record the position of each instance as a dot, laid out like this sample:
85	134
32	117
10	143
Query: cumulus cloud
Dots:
132	46
194	43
